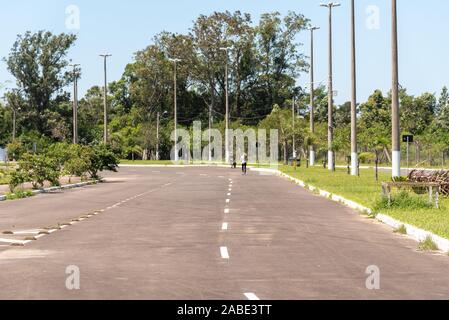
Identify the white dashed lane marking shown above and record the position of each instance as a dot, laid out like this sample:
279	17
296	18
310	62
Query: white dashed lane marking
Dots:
224	253
225	226
251	296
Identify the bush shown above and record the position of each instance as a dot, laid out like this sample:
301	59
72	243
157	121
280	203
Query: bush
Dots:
18	178
403	200
15	150
367	157
38	169
102	158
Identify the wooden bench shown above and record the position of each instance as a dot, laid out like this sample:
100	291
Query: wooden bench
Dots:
433	189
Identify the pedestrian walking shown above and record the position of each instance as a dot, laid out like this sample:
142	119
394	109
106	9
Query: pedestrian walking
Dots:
244	163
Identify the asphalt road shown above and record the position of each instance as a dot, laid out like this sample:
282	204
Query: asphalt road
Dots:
205	233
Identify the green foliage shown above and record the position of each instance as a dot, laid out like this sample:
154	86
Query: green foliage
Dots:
403	200
428	245
19	194
38	169
38	62
367	157
18	178
401	230
15	150
101	158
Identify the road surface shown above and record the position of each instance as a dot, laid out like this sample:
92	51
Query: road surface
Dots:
205	233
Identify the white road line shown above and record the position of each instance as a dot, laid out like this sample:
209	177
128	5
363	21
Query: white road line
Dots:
225	226
229	194
251	296
228	200
226	211
26	232
19	242
224	253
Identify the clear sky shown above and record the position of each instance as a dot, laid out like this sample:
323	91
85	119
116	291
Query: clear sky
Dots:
123	27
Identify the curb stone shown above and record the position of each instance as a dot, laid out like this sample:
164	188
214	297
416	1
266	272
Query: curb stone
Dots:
65	187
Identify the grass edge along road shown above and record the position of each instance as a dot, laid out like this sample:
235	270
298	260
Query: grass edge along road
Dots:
366	191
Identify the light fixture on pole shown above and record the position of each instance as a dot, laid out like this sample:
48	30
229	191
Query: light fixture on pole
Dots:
105	98
227	152
331	160
175	103
312	97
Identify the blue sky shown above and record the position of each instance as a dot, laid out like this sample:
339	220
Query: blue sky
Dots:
124	27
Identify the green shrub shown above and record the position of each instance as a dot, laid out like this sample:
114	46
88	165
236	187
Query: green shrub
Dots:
102	158
403	200
18	178
367	157
39	169
428	245
19	194
15	150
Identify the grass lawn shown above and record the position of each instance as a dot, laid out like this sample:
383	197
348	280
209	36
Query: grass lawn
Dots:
366	191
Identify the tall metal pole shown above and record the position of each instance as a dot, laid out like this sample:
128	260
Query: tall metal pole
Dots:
330	157
105	98
14	124
75	104
210	132
354	147
293	120
157	135
312	97
396	143
175	92
227	152
175	102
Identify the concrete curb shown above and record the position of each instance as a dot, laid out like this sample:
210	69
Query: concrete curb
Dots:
64	187
413	232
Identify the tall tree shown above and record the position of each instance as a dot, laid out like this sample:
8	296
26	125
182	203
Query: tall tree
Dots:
38	62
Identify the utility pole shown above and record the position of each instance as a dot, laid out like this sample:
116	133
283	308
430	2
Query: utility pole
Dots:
175	102
210	132
158	125
157	135
354	147
227	153
312	97
75	103
14	117
330	157
396	143
293	119
105	97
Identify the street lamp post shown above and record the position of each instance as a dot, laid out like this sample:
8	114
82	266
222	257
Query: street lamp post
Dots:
75	103
157	133
227	153
331	162
312	97
354	147
175	102
14	119
294	124
105	98
396	143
